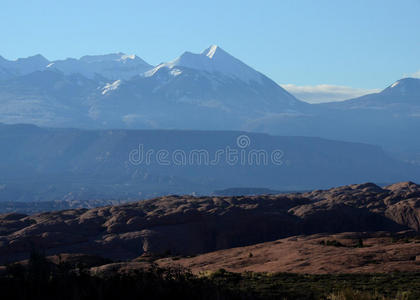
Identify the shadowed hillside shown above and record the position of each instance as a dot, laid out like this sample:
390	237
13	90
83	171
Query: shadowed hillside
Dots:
41	164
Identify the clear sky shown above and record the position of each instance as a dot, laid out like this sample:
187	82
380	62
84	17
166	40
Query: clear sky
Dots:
364	44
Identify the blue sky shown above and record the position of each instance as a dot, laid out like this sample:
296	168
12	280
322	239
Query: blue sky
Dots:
363	44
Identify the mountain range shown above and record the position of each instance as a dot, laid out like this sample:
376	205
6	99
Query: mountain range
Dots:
211	90
123	91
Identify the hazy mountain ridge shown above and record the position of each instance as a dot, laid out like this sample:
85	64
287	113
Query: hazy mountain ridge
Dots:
389	118
405	91
44	164
23	66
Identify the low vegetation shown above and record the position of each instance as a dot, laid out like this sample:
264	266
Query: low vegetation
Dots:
41	279
335	243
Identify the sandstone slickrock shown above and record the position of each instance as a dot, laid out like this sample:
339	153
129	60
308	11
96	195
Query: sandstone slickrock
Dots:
191	225
311	255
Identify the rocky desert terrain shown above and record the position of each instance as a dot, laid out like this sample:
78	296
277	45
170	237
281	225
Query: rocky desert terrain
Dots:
314	254
186	225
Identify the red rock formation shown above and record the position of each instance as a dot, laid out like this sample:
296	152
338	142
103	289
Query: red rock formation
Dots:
190	225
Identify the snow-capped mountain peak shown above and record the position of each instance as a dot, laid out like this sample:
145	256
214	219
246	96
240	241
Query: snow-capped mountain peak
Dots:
213	60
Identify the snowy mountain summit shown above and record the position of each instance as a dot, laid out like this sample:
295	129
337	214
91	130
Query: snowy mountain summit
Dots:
213	60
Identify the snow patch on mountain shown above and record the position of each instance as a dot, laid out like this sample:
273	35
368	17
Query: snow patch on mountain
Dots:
125	57
111	87
176	72
395	84
211	51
